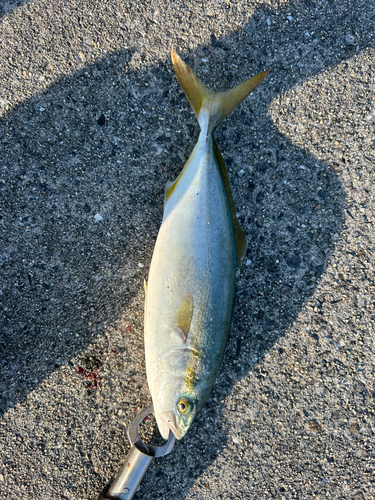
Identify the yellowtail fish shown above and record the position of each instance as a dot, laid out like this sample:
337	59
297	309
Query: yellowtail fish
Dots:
192	280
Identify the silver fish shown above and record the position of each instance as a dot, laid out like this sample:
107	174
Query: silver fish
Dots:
192	280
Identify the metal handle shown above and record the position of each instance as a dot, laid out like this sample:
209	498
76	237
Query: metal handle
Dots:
137	462
130	475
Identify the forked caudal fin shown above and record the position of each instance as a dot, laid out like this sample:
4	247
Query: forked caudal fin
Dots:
210	107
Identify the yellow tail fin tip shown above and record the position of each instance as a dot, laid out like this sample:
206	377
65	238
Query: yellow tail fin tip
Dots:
217	105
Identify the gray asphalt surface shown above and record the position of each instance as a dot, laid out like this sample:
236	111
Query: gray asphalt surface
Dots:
92	125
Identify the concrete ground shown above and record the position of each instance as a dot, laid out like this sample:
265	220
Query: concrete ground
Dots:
92	125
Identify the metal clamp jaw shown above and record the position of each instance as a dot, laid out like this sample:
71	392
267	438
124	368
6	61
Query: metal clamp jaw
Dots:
137	462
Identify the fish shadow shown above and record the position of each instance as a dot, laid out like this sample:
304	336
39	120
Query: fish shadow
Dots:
82	198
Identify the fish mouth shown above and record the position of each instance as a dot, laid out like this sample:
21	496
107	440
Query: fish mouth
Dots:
169	418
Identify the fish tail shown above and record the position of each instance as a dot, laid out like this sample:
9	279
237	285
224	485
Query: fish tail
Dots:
210	107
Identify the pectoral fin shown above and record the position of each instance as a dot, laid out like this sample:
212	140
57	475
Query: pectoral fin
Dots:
183	316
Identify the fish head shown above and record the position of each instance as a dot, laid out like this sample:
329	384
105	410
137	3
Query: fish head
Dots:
175	408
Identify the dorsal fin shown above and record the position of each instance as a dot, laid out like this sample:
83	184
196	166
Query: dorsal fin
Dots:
169	188
239	235
184	315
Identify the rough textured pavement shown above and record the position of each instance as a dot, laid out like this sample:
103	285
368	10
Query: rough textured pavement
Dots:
92	125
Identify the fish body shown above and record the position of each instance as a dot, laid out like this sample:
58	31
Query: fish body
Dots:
192	280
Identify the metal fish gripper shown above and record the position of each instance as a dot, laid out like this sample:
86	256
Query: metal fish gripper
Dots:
137	462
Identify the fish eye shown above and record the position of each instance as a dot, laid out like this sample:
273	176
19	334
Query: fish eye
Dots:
184	406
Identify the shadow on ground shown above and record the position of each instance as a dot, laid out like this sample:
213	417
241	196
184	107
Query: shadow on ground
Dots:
7	6
83	174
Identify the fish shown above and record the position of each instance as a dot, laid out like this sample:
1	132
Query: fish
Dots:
191	285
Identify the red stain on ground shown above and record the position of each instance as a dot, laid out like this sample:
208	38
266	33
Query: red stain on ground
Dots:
93	377
129	327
